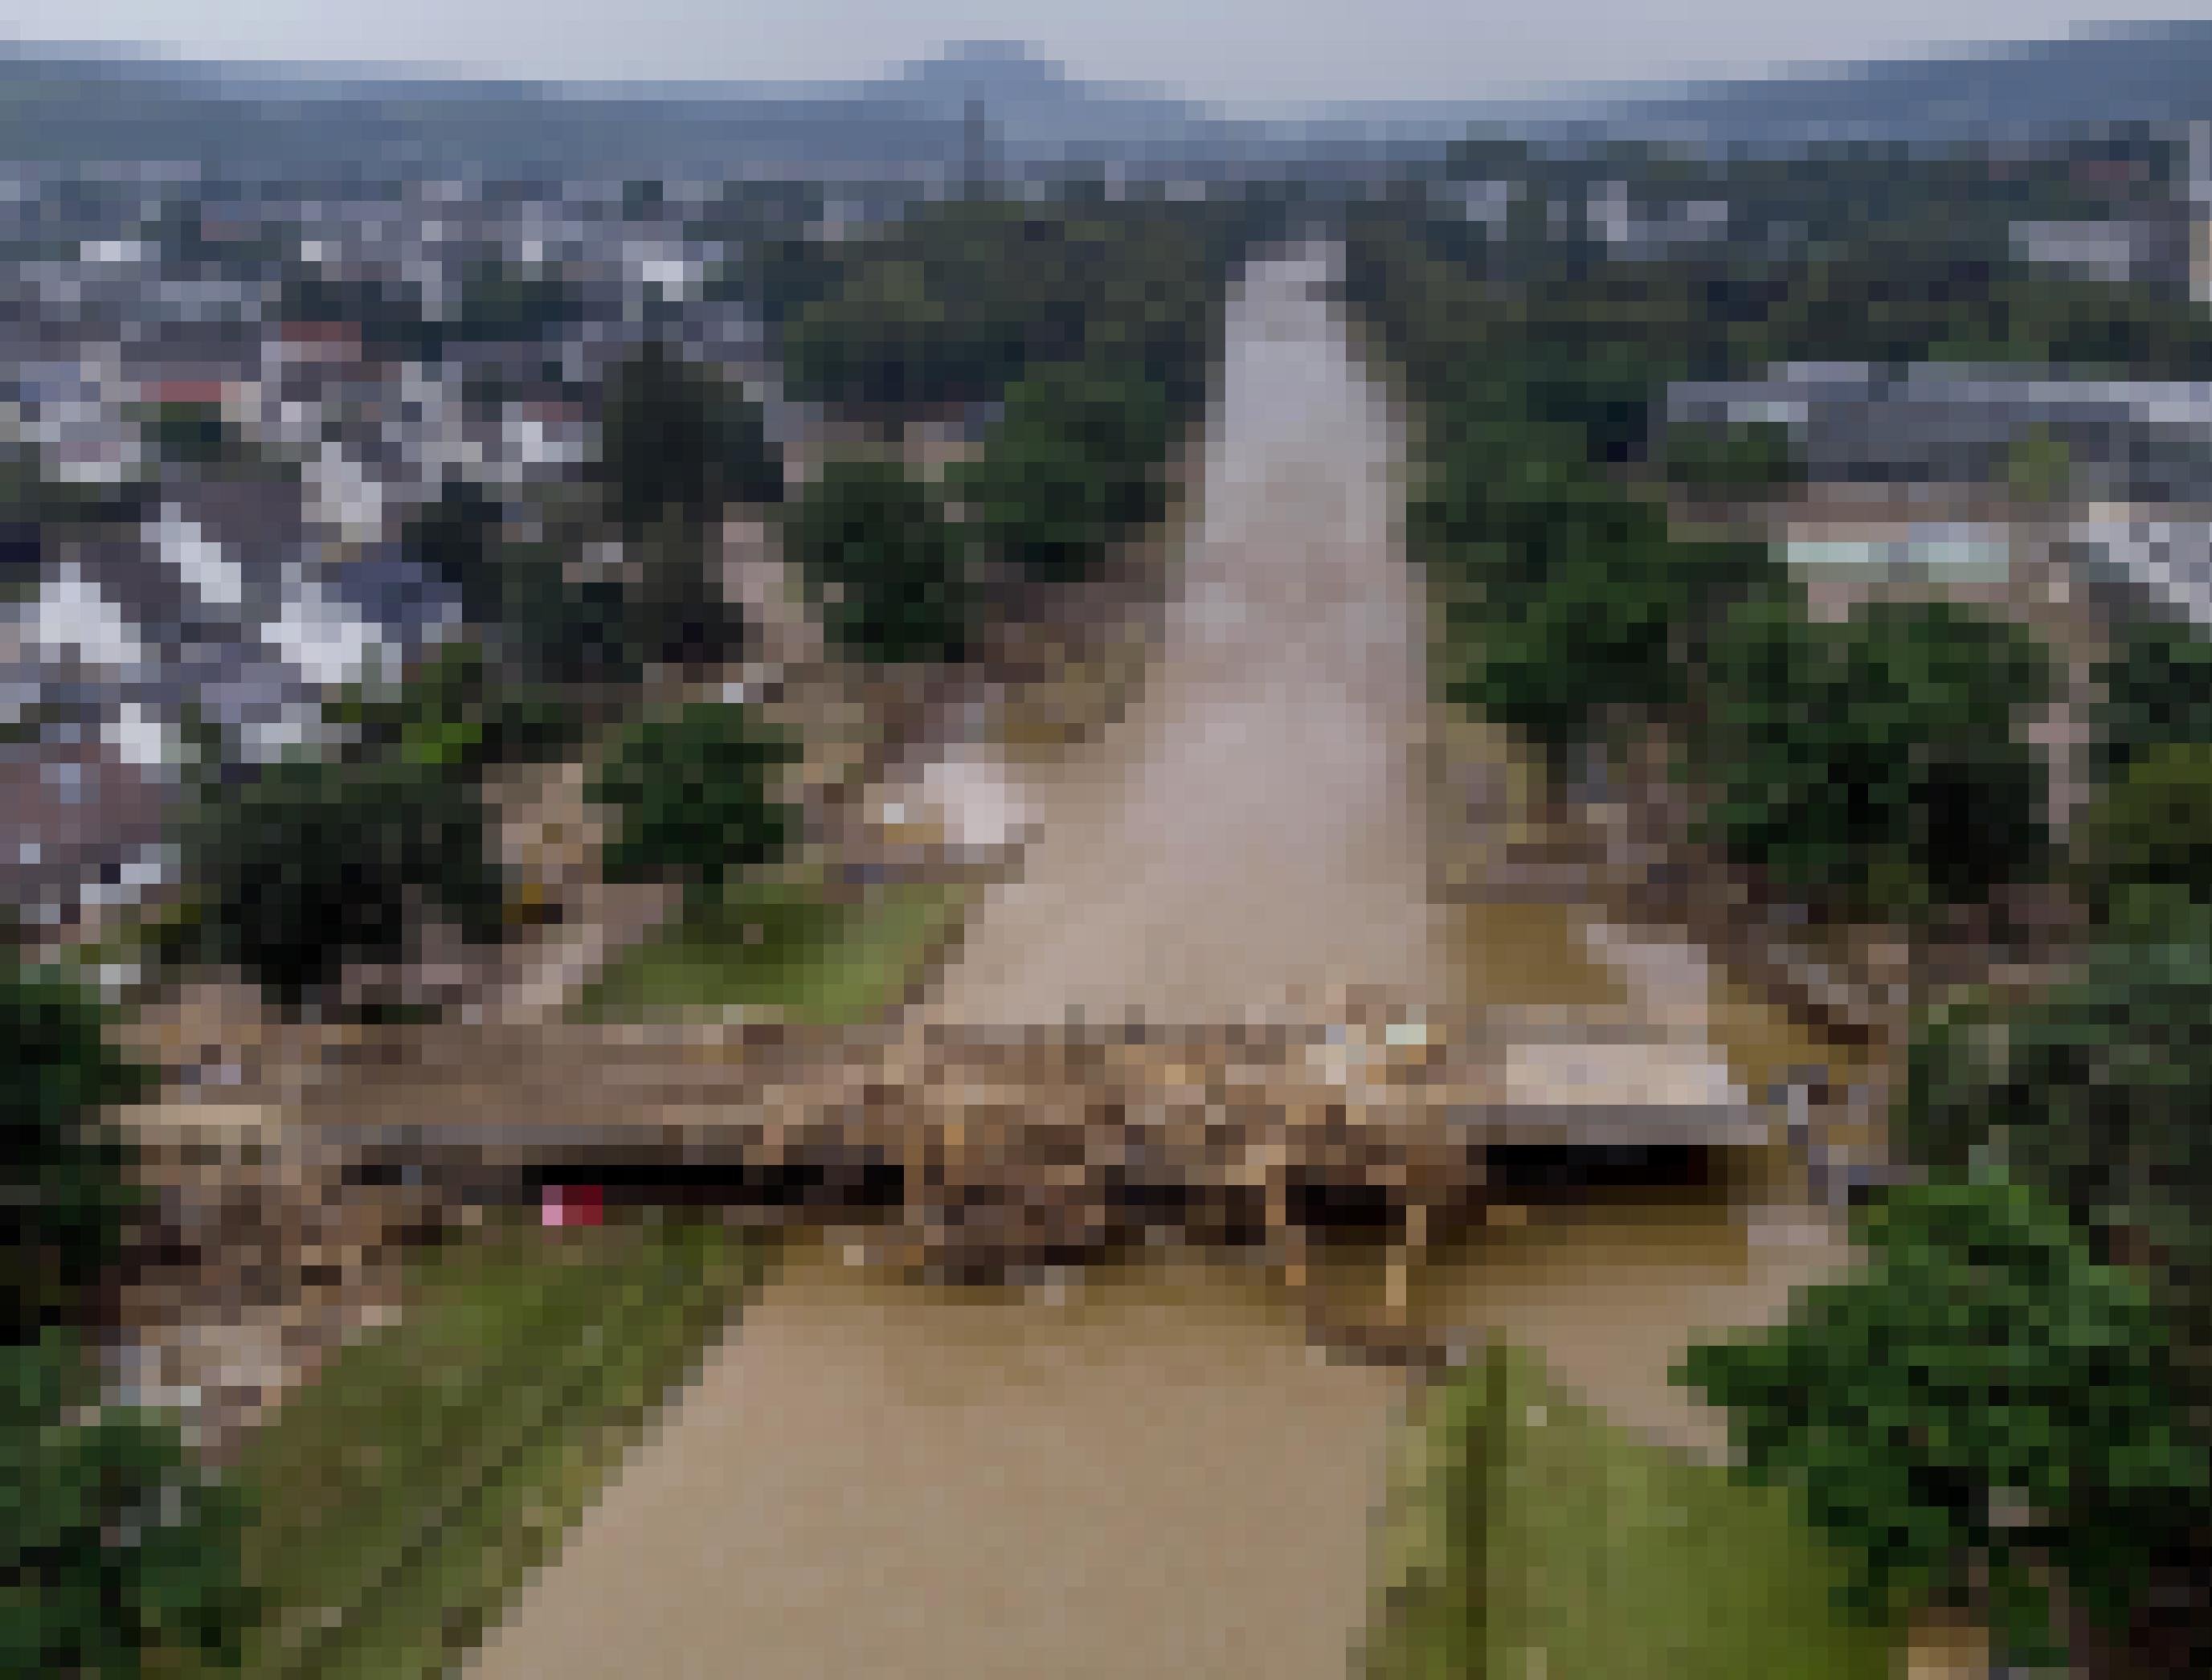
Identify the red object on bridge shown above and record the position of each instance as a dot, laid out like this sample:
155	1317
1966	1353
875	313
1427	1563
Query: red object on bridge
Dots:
575	1204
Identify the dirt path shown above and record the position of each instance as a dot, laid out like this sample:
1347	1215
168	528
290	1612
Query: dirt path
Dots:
1253	827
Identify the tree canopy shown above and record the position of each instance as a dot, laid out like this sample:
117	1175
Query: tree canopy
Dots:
889	570
65	1172
679	440
1075	460
310	863
1877	763
693	797
1985	1397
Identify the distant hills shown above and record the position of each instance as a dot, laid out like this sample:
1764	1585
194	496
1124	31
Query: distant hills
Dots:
2160	73
56	107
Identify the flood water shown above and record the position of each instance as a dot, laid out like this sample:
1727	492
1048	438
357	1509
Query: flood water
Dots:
1252	827
1151	1471
1156	1471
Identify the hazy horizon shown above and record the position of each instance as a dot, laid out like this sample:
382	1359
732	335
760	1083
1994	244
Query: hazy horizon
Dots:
1409	49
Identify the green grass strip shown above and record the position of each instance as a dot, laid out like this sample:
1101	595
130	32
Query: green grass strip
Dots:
513	1358
789	949
430	1612
1530	1537
397	1420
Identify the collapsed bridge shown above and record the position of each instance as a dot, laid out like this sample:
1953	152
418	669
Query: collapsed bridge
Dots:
983	1148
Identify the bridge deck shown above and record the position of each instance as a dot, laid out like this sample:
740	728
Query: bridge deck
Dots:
1071	1136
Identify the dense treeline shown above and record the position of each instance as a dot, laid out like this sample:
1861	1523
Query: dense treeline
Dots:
2009	1407
1873	769
954	301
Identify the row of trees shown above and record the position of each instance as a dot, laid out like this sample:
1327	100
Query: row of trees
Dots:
1077	459
960	298
119	1556
1875	766
2008	1405
2012	1409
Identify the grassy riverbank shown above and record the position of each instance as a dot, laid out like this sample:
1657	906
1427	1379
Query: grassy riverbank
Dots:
1527	1536
409	1490
819	958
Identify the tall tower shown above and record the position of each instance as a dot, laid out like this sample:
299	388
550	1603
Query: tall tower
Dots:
975	173
2200	212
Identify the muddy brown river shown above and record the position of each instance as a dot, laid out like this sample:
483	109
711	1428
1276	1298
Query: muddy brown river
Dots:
1153	1470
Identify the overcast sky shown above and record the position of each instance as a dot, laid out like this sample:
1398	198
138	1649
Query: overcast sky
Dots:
1245	52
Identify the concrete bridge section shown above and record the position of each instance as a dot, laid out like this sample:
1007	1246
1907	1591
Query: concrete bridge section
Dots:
978	1150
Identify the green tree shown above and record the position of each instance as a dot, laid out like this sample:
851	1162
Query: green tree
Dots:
456	712
693	797
1579	604
892	337
674	609
677	439
195	434
505	302
31	496
2095	1093
562	629
1983	1402
1739	462
315	862
1074	461
67	1171
456	540
2039	467
778	276
2153	825
119	1556
2157	690
889	570
1877	764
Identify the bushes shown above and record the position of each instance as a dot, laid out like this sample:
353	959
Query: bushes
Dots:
1985	1397
890	572
693	799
